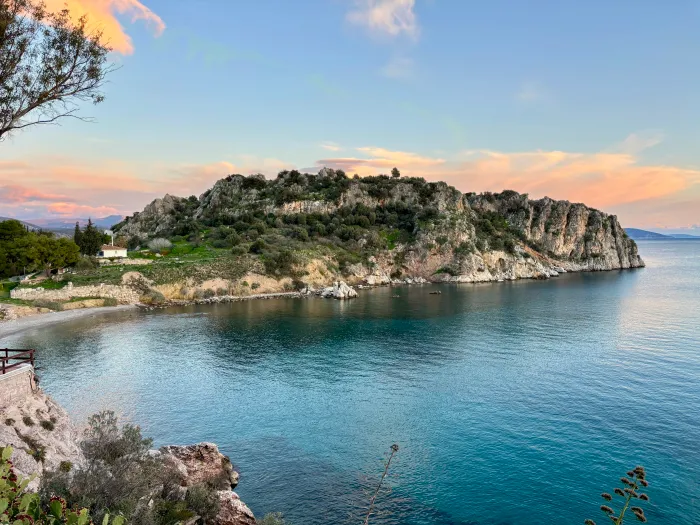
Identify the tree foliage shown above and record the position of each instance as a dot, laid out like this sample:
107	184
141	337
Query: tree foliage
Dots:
48	65
24	251
90	240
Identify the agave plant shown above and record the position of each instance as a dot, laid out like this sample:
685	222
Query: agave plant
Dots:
633	483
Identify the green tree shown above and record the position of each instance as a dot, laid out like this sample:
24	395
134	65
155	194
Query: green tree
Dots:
91	240
12	229
77	234
395	173
48	65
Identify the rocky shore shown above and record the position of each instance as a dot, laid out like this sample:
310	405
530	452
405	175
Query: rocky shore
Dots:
44	438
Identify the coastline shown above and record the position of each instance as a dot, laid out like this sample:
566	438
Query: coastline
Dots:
12	327
15	326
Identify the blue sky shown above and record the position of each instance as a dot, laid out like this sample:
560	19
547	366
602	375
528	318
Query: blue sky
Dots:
587	101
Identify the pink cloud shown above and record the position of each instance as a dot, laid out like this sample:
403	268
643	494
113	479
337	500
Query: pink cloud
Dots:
102	15
18	194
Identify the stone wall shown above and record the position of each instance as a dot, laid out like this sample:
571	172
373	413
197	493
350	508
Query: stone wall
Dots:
123	294
16	385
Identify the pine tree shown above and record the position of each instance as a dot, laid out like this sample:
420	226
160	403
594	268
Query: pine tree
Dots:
395	173
91	240
78	236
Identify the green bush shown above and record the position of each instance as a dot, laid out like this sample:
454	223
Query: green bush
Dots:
272	518
21	507
28	421
47	425
152	297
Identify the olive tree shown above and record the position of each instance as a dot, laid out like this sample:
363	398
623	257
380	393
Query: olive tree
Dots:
49	64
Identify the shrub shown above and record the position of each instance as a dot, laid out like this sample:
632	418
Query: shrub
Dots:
159	245
152	297
110	301
28	421
203	501
47	425
238	250
9	421
65	466
258	246
272	518
21	507
86	264
255	286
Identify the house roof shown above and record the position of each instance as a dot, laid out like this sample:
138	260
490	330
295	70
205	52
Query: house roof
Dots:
108	247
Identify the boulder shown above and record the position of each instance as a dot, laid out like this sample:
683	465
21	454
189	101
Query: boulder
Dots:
232	511
339	290
201	463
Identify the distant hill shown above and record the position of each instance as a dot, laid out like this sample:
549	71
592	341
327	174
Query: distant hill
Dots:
26	224
69	223
684	236
643	235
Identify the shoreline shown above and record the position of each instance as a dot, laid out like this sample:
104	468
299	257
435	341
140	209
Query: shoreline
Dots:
15	326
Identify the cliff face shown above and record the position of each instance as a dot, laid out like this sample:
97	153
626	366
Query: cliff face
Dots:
395	227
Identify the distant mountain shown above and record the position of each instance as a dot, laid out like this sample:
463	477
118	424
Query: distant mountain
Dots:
69	223
643	235
26	224
683	236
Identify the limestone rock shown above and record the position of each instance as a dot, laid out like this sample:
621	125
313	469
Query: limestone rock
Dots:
233	511
339	290
201	463
41	435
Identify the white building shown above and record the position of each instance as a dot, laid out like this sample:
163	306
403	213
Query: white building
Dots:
108	251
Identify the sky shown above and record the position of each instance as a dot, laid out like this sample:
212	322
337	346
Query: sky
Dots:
595	102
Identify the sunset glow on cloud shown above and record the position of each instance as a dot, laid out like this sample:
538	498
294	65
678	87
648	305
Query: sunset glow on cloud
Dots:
102	15
530	101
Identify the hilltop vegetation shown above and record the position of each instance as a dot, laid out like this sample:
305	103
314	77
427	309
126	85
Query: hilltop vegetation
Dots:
382	224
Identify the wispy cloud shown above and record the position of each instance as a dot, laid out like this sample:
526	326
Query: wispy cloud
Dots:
399	68
102	14
635	143
386	17
331	146
617	182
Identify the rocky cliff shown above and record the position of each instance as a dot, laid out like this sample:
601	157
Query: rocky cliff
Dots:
379	229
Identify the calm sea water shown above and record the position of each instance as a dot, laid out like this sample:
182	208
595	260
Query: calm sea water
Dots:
512	403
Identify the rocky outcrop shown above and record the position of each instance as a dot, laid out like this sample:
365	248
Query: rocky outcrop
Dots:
400	228
156	218
339	290
41	435
43	438
232	511
201	463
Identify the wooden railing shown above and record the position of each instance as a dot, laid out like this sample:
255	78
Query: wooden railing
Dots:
13	359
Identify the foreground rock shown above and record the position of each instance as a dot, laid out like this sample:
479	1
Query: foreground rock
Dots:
201	463
204	464
43	438
233	511
41	434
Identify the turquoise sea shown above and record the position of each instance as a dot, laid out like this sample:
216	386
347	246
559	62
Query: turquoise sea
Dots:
512	403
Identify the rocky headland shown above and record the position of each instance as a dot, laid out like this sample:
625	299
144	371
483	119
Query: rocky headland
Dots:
328	235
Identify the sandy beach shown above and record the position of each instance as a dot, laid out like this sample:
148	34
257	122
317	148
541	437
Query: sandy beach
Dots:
34	321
